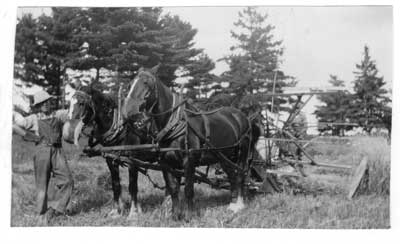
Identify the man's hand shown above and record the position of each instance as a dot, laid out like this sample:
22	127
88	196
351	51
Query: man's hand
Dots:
32	137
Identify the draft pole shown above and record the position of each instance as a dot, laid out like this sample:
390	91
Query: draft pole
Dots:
119	121
269	159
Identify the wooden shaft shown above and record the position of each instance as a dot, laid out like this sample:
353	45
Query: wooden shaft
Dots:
200	177
152	147
339	166
282	173
273	92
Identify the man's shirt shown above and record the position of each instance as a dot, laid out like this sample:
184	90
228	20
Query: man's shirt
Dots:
47	127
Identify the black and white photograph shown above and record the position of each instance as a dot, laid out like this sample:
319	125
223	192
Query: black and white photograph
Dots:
259	116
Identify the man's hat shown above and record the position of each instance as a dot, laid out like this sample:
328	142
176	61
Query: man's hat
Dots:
40	96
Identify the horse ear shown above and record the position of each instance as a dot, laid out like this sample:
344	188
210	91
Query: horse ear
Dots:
155	69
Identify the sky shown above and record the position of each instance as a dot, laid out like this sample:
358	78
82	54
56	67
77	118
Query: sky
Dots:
317	41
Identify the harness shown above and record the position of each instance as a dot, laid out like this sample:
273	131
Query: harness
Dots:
175	126
178	125
114	134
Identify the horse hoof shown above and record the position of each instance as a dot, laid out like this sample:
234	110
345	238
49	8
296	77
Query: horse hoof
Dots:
113	214
134	213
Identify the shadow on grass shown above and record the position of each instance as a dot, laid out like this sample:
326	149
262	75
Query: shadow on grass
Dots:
90	199
203	200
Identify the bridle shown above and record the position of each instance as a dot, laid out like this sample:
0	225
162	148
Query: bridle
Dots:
151	100
88	102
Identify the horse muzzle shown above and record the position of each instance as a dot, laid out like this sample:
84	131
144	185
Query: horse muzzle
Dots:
130	109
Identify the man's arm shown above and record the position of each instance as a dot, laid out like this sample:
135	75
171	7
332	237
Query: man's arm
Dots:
27	127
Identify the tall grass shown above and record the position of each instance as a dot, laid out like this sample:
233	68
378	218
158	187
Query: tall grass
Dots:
323	205
350	151
377	150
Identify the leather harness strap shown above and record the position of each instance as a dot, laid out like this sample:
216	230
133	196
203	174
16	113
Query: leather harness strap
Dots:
206	126
173	122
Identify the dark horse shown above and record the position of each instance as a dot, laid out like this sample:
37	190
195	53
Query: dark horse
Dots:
93	107
228	128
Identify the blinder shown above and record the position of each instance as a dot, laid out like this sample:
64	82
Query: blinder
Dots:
85	101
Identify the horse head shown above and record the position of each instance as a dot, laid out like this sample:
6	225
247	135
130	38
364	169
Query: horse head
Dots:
81	105
142	96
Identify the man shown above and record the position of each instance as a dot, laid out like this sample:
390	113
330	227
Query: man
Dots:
45	129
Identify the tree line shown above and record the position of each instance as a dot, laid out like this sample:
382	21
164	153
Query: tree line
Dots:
367	107
118	41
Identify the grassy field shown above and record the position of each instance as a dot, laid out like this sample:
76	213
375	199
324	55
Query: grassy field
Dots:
322	205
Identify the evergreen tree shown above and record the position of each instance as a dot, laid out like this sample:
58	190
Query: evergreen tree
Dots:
336	109
254	62
44	47
201	82
370	103
118	40
125	39
26	50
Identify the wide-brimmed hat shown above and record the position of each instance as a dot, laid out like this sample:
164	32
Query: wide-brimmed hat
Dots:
40	96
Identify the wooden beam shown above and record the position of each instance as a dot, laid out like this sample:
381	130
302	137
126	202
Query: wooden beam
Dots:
299	93
282	173
141	147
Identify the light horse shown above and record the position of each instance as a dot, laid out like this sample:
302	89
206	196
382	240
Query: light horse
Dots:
176	126
93	107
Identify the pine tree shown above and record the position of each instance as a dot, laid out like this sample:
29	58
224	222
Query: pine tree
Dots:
26	50
200	84
116	40
336	109
371	102
125	39
254	62
44	46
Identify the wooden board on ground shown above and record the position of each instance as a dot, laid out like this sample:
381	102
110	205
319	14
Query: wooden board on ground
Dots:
359	178
268	181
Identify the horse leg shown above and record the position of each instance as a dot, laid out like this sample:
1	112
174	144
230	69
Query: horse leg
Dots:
172	185
189	187
133	190
237	180
118	204
237	193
